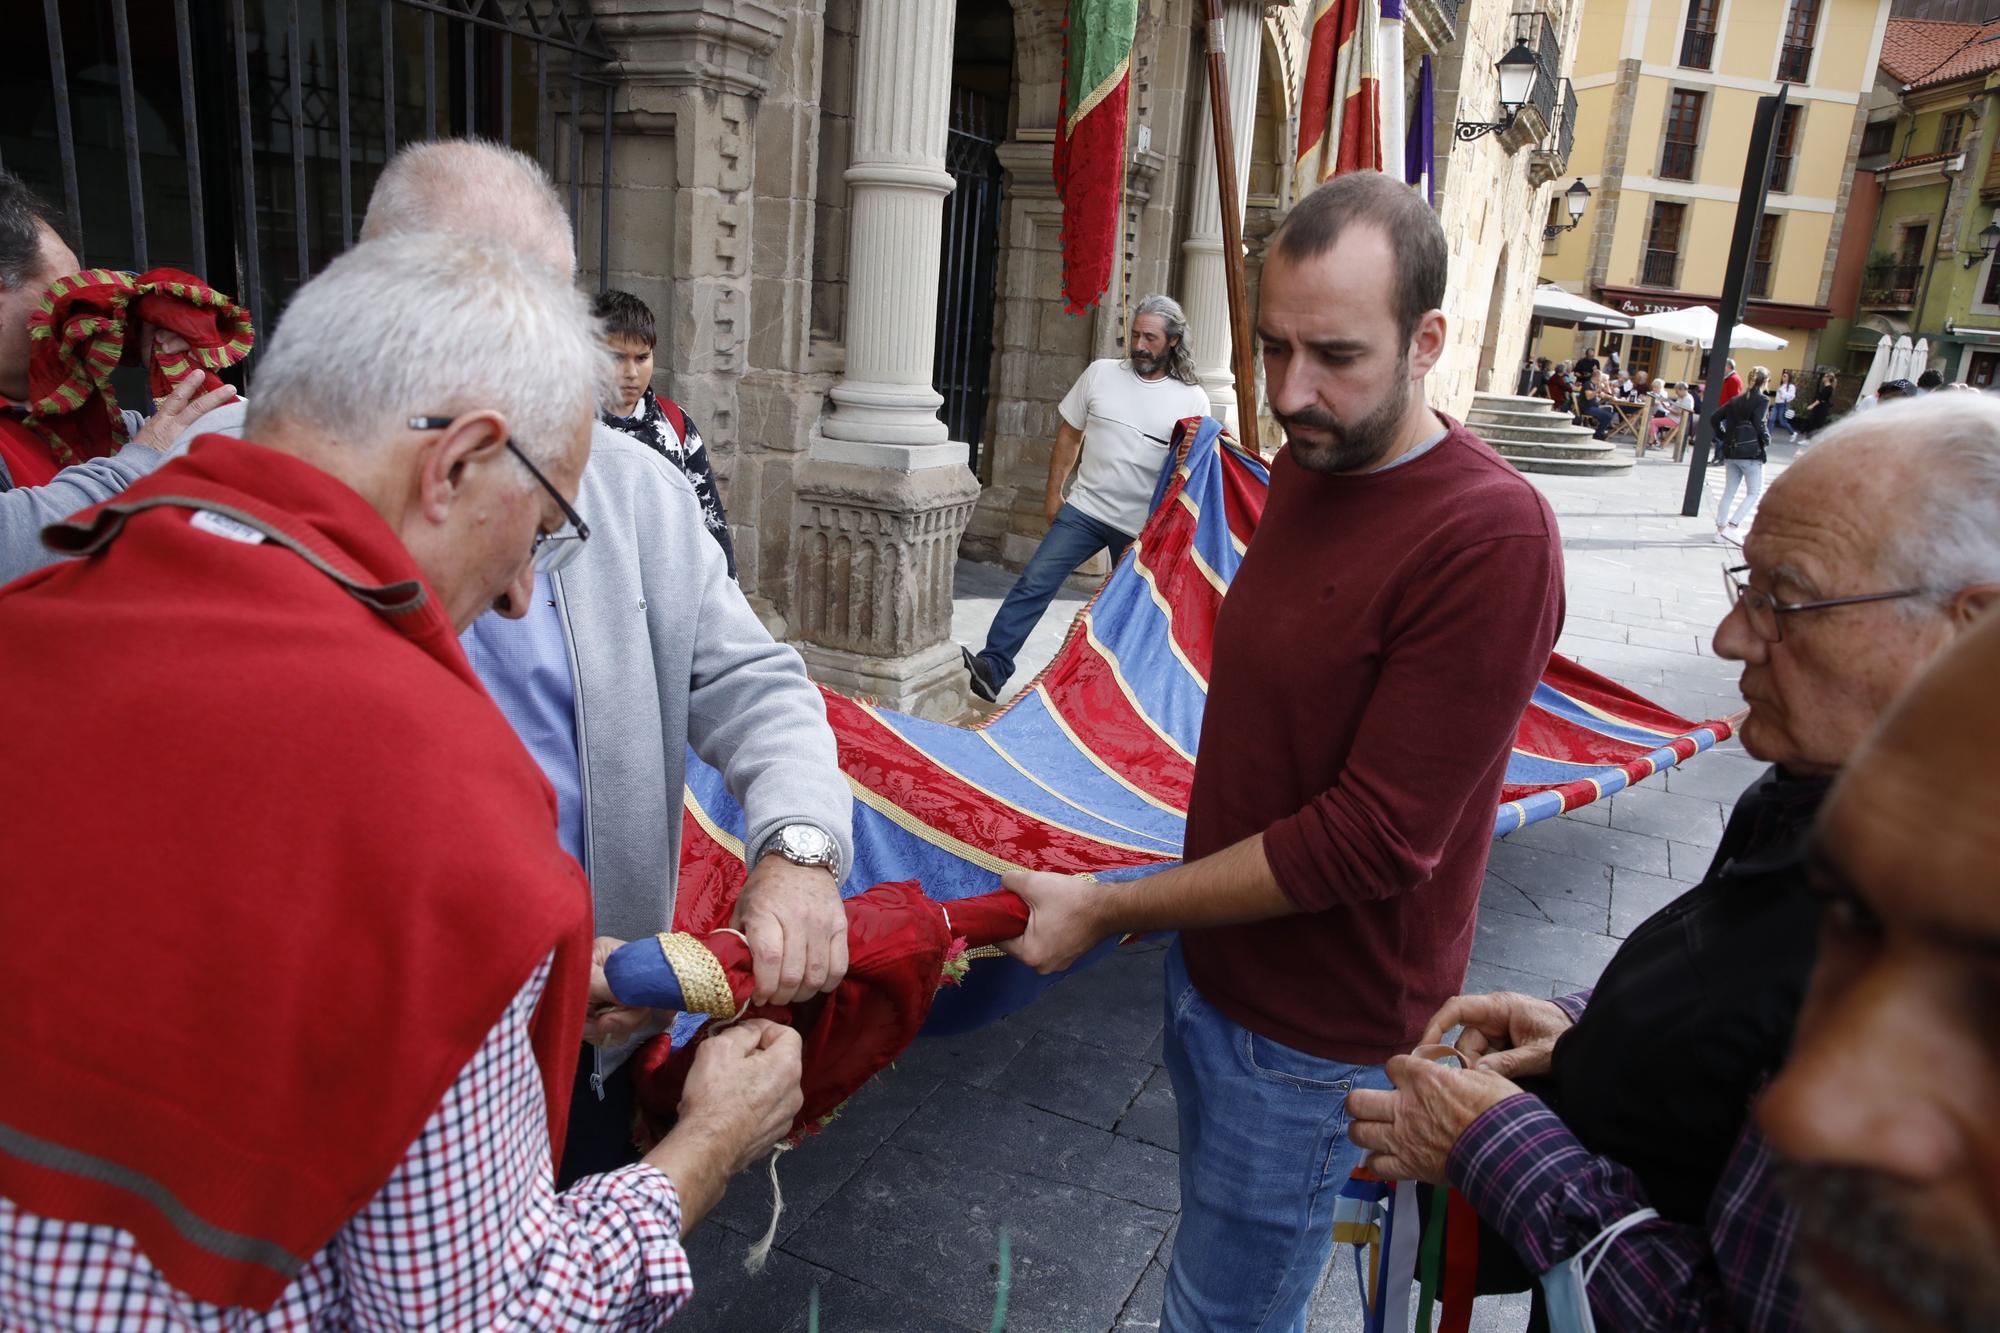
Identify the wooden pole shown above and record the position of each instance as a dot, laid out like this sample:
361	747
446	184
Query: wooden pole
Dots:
1243	360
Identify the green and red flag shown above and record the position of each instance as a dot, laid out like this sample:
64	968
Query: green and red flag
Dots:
1090	141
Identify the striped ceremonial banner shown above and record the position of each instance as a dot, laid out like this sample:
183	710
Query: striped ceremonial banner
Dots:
1422	143
1340	107
1090	142
1087	770
1389	78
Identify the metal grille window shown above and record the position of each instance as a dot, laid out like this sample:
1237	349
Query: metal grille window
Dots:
1801	27
967	274
1663	246
1785	147
1683	134
1698	36
1990	294
244	138
1951	130
1765	255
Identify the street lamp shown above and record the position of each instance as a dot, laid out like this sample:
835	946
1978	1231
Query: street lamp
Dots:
1517	80
1989	240
1577	197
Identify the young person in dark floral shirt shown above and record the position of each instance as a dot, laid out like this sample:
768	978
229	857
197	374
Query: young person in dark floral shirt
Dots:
654	421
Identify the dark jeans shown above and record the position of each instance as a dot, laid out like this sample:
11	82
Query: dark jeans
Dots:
1602	414
600	1132
1072	539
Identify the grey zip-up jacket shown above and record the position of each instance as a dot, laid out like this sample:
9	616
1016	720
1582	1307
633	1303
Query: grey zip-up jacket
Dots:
666	653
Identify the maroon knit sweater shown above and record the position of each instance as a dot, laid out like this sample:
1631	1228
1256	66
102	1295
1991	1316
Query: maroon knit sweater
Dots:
1372	661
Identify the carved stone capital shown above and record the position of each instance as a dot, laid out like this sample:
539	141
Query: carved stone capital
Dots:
725	45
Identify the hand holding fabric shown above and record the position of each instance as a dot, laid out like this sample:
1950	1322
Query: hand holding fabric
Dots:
607	1022
1506	1033
792	917
1409	1132
181	408
744	1088
1063	922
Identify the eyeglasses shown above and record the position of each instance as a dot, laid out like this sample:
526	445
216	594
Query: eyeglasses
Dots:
1765	612
553	550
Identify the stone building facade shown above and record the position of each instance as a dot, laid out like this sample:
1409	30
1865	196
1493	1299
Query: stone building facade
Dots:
779	184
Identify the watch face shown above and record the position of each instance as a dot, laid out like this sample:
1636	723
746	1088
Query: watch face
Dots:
803	842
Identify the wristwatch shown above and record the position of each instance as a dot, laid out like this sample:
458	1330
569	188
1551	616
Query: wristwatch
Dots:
804	845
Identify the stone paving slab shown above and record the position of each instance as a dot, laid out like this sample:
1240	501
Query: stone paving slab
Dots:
1058	1123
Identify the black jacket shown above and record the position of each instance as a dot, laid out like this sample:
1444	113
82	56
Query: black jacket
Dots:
1742	425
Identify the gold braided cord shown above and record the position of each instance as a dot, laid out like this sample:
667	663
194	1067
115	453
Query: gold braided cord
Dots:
704	985
936	837
1145	574
728	841
1125	686
1062	723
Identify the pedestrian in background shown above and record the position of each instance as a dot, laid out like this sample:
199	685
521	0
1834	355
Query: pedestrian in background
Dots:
1742	442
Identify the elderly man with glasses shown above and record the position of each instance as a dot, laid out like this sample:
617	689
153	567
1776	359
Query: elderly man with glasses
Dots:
1628	1106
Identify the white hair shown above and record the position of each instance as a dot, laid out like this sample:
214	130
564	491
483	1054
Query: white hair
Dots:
471	185
1948	538
434	324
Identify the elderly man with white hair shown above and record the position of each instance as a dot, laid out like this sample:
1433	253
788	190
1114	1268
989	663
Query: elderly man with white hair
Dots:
289	1041
623	660
1617	1120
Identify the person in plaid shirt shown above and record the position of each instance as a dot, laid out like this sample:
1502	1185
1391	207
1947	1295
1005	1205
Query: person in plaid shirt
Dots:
1579	1112
345	959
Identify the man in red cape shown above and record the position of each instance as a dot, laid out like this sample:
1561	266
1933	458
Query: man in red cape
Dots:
292	965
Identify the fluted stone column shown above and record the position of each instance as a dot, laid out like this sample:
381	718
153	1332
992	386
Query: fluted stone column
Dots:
1205	294
885	495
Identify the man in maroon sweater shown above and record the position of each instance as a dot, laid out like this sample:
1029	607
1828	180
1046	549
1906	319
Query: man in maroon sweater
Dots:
1372	660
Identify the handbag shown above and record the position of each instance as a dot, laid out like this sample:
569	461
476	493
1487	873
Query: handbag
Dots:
1566	1287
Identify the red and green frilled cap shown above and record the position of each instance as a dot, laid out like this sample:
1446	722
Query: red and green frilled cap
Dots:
1090	141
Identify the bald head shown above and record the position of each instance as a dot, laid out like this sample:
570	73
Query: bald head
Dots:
473	187
1902	503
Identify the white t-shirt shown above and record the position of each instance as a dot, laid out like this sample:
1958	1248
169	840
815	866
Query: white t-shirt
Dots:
1127	423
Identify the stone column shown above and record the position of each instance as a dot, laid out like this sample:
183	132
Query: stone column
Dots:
1205	294
884	494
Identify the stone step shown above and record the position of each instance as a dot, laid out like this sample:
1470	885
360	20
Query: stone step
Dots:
1572	467
1537	433
1588	449
1479	418
1503	400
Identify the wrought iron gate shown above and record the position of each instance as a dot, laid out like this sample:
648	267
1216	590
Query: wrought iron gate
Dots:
244	135
968	264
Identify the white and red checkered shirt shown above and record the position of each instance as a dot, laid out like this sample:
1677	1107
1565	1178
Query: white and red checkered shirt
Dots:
468	1233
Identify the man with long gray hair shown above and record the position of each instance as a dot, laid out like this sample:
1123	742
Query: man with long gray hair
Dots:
1127	409
344	956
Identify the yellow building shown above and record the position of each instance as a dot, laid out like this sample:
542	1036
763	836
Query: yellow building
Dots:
1667	92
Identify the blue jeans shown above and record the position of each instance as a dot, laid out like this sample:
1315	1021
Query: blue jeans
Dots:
1072	539
1263	1154
1778	421
1751	473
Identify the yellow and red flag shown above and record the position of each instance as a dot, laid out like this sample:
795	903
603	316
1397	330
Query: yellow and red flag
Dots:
1090	141
1340	109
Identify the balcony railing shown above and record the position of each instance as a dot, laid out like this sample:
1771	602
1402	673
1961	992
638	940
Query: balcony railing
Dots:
1538	32
1677	161
1566	133
1697	48
1892	285
1450	8
1794	63
1659	267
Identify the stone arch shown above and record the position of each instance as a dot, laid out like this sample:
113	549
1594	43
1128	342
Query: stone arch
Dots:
1491	376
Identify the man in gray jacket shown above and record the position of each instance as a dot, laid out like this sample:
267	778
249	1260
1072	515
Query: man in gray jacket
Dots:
638	649
32	255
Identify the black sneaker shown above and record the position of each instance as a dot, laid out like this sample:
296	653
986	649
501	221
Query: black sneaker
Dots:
982	687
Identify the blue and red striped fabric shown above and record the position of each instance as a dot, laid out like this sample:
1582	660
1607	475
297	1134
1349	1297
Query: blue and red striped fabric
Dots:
1088	769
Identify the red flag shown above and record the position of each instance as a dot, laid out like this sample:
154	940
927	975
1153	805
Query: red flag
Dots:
1340	108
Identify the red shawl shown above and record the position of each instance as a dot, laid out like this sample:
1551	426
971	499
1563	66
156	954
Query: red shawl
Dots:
273	871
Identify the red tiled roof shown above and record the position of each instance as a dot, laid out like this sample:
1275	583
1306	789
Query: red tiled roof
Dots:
1923	53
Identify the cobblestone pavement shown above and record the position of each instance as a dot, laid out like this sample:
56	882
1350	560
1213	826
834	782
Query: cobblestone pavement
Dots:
1058	1123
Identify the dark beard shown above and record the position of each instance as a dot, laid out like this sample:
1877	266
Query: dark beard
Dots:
1148	366
1354	447
1863	1220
